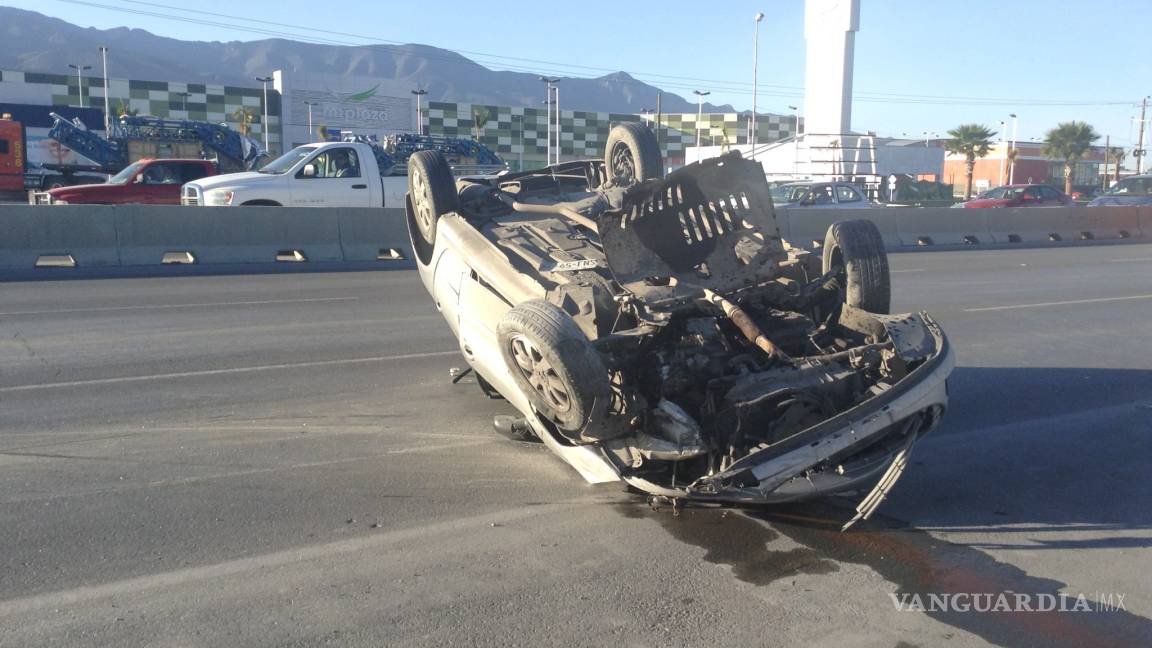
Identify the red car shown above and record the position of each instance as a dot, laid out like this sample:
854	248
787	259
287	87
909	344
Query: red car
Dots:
1023	195
149	182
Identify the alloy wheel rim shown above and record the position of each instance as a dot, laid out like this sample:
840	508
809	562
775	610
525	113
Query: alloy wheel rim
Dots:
623	166
423	205
540	374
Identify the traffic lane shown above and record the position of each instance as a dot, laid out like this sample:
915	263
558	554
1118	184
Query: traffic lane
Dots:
799	564
124	500
965	280
237	522
61	331
1040	460
600	570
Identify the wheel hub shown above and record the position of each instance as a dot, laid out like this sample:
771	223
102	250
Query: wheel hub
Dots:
540	374
623	166
422	202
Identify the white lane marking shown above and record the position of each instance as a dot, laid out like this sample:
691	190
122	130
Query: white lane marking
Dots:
221	372
162	483
1058	303
329	551
1130	260
104	309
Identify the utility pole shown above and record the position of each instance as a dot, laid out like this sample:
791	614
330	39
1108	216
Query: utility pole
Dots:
659	116
559	150
1139	151
550	81
755	63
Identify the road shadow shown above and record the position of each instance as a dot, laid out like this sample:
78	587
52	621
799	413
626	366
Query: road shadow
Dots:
1029	459
1040	452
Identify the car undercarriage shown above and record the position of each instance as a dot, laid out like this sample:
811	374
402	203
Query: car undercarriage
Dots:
663	323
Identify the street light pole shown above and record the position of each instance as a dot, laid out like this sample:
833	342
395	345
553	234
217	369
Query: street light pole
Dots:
80	79
1012	167
699	117
107	114
264	81
419	115
796	141
556	91
310	104
755	76
549	81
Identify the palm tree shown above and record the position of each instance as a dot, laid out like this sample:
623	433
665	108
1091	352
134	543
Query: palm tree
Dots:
480	117
972	141
1117	154
124	110
1068	142
244	117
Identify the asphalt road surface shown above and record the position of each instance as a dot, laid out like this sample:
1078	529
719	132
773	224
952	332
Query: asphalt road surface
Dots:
281	460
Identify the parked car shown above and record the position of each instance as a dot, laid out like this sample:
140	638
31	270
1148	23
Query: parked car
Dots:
333	174
658	330
1135	190
1022	195
149	182
821	195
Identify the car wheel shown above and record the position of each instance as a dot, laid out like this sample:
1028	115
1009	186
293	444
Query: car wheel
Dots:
432	191
632	154
857	248
555	365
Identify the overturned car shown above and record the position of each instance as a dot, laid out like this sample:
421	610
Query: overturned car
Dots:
658	330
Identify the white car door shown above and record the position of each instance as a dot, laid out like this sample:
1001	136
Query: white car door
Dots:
332	178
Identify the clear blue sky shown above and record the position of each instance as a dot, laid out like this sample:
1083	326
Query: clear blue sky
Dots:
920	64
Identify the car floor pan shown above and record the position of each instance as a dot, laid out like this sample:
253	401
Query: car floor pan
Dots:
707	225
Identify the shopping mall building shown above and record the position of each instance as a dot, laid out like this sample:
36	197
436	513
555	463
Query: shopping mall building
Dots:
305	107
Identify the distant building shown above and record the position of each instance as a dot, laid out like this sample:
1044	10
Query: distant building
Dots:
1032	166
367	106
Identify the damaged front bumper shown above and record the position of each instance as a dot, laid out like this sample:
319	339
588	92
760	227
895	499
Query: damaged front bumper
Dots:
842	453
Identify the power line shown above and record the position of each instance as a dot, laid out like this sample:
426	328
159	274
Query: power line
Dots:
667	81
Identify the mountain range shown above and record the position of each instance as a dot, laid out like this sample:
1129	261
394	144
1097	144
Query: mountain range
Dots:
33	42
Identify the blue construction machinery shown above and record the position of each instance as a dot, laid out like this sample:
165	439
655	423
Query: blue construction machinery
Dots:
231	150
392	154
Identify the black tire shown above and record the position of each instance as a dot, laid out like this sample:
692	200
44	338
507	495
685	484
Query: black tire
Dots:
432	192
632	154
857	247
555	365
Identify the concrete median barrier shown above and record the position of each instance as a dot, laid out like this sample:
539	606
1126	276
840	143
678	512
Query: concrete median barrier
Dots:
84	233
374	235
227	234
943	226
802	226
1047	225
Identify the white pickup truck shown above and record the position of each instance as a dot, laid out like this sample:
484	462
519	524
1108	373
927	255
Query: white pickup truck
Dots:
333	174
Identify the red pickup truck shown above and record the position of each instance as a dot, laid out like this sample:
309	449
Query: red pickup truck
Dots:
150	182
